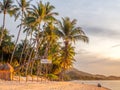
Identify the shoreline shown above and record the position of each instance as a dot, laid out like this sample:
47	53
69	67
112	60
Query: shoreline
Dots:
46	85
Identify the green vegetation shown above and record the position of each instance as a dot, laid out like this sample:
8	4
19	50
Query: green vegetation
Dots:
46	38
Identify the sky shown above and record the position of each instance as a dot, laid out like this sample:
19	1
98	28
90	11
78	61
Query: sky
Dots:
100	21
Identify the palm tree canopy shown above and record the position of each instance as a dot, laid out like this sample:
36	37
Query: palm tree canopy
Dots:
69	32
49	13
50	33
67	58
23	7
23	4
7	45
7	7
41	12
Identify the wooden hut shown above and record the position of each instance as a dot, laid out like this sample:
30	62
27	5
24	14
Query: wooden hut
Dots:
6	71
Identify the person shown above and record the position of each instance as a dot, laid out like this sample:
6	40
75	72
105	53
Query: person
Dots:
99	85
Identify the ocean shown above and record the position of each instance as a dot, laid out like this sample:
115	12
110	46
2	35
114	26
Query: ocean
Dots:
111	84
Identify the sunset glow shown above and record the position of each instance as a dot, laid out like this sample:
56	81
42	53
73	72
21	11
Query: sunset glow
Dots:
100	19
114	53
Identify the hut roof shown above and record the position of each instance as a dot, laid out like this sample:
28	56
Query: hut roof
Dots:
6	67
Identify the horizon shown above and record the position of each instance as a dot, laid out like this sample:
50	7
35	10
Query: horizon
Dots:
100	20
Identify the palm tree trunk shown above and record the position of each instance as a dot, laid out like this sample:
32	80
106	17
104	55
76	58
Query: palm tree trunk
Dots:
33	60
22	54
46	51
32	70
27	64
29	61
38	71
23	49
17	39
3	27
47	48
66	54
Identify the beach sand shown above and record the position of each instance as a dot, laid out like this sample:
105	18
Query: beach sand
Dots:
46	85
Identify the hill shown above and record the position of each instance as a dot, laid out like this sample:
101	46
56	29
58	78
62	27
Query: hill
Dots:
74	74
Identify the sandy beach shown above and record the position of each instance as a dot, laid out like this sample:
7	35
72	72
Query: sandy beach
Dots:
46	85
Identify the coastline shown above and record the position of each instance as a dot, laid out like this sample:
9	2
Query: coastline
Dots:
46	85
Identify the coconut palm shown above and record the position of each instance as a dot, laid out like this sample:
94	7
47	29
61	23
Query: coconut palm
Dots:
66	59
54	54
50	37
40	13
37	15
6	7
69	33
22	9
7	46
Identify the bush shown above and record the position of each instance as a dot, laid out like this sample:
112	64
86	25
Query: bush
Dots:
53	77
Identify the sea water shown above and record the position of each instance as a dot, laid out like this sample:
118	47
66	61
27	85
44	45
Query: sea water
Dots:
111	84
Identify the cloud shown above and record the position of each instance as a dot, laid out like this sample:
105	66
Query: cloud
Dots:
101	32
100	19
114	46
96	64
81	51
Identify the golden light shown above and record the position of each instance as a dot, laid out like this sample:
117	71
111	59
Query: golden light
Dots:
114	53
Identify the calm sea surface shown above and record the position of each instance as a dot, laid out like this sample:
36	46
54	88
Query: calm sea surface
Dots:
111	84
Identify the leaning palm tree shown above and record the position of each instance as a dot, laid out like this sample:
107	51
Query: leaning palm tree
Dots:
69	33
6	7
22	9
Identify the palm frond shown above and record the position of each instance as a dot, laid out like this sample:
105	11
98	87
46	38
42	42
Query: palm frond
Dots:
82	38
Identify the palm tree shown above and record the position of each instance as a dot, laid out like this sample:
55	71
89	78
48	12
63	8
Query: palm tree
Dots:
22	9
7	46
50	37
69	33
54	54
37	15
6	7
41	13
67	58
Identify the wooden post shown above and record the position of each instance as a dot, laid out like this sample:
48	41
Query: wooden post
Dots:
11	76
19	76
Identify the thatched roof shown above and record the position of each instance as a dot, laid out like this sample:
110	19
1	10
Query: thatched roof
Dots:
6	67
